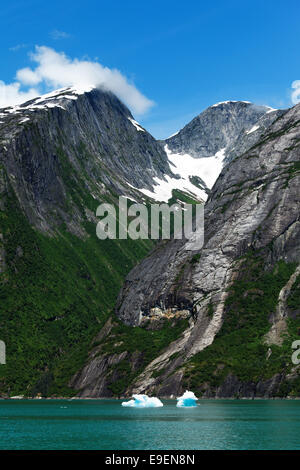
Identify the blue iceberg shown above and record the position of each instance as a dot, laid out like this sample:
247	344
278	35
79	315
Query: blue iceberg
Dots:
143	401
188	400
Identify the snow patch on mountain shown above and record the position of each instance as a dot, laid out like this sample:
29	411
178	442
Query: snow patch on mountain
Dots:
49	100
186	167
253	129
172	135
229	101
136	124
270	110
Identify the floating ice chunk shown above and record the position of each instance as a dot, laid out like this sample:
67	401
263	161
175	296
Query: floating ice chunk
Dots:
188	400
143	401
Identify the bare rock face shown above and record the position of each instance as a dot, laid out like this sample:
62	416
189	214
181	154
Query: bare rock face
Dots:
254	206
219	134
61	155
218	127
249	200
68	140
249	136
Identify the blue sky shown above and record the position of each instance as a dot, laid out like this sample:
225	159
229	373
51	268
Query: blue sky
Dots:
184	56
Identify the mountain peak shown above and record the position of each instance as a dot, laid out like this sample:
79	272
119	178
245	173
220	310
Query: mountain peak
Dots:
229	102
239	103
48	100
216	128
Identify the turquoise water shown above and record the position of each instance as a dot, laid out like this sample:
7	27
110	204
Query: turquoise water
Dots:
105	424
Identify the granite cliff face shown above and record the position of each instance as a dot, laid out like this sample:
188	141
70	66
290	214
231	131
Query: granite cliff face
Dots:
87	140
216	128
239	207
213	320
252	219
198	152
61	155
216	136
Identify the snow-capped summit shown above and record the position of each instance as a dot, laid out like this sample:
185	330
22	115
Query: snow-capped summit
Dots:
48	100
216	128
220	133
229	101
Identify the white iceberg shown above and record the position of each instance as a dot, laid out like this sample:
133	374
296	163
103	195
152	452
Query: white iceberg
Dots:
143	401
188	400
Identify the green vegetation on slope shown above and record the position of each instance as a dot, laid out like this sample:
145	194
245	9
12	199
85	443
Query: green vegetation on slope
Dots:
239	347
55	294
146	342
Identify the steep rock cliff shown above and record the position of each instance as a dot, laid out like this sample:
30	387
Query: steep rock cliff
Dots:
233	286
72	141
61	155
216	128
213	138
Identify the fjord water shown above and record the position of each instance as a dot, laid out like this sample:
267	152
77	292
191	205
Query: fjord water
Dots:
105	424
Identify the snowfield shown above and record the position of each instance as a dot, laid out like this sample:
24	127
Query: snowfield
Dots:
208	169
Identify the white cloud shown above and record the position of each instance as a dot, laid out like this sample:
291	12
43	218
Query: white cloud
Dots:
18	47
56	70
56	34
11	94
295	96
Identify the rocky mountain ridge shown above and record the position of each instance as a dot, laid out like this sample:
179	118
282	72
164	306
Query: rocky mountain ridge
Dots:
216	128
231	290
178	321
222	132
75	132
61	155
